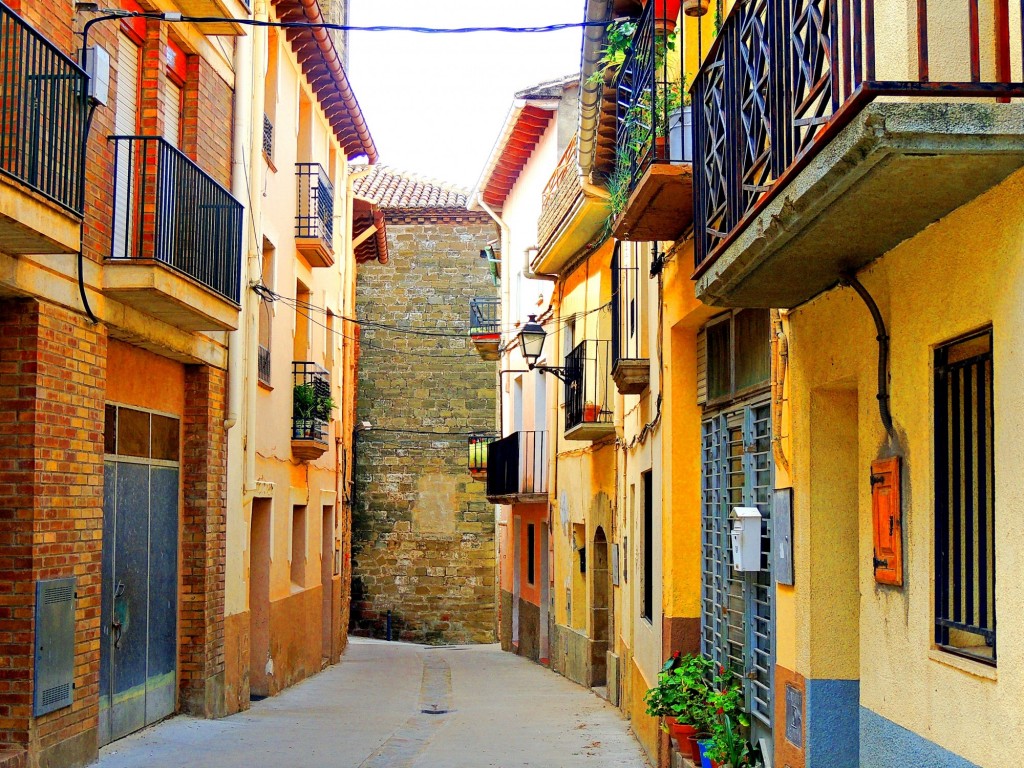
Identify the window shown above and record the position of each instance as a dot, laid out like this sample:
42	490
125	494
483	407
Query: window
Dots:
738	353
965	574
531	558
647	539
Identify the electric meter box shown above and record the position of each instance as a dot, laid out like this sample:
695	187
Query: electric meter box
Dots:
746	539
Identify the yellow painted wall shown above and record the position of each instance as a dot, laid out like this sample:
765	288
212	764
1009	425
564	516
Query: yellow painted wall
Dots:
956	276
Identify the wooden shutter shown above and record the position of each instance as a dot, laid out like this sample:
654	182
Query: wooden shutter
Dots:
125	124
887	521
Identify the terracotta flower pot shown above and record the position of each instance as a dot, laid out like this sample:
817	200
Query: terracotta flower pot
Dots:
695	7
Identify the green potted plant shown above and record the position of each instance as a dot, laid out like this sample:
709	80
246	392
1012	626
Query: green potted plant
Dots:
309	407
681	698
727	745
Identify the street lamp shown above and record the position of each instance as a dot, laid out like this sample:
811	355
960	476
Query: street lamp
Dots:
531	344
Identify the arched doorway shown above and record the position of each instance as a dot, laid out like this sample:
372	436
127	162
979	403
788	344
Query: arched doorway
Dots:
600	608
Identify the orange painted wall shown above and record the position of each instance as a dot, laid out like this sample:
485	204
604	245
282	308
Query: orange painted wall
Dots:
144	379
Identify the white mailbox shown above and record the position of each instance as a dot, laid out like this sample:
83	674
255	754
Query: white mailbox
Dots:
746	539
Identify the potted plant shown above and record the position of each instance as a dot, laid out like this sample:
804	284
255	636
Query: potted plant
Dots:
681	697
727	746
309	406
695	7
590	411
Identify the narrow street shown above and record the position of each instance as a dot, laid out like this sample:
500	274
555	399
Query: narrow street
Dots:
370	711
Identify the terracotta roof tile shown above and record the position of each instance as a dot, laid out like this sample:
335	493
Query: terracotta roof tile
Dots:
397	190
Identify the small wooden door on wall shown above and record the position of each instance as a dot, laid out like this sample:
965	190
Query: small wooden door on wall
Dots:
139	614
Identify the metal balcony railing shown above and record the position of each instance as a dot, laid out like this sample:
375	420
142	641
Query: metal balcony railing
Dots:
263	364
484	316
652	123
517	465
43	107
268	137
626	306
478	452
782	79
315	217
588	384
559	193
166	208
311	402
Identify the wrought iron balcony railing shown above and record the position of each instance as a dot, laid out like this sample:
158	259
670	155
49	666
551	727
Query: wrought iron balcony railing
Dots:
311	402
782	79
588	400
517	466
167	209
478	444
652	122
43	106
268	138
484	316
560	193
315	217
626	308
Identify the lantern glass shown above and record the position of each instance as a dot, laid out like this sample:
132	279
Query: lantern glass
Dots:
531	341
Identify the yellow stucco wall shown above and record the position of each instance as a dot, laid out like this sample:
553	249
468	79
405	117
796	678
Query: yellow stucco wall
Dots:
958	275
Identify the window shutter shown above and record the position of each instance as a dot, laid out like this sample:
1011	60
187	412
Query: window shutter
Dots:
887	521
702	367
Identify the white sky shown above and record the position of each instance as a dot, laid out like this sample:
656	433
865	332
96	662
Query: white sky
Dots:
435	103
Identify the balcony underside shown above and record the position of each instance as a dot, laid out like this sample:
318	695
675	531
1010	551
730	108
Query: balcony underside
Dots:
308	449
581	223
590	430
519	498
30	225
214	9
632	376
661	205
315	251
893	171
166	294
487	345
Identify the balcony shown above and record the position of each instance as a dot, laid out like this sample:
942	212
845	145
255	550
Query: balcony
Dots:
176	238
43	106
314	221
652	185
311	410
518	469
588	404
823	139
477	445
570	218
485	326
268	141
631	369
263	365
216	9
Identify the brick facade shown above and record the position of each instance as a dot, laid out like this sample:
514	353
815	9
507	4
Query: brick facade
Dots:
423	531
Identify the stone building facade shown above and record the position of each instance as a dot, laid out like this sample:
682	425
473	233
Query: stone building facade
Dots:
423	532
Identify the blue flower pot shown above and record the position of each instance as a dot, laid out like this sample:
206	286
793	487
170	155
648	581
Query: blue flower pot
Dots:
705	761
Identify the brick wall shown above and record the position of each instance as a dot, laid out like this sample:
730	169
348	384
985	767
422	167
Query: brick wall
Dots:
423	531
52	373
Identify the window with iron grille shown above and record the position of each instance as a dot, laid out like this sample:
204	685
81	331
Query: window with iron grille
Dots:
531	560
965	574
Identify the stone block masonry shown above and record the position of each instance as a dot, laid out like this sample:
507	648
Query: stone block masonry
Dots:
423	531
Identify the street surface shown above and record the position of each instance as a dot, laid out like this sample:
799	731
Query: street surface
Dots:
394	705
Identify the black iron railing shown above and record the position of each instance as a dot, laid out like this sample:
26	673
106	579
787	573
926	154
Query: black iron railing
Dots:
782	78
166	208
43	106
484	316
268	137
477	444
627	277
311	402
588	384
315	217
517	465
263	364
652	121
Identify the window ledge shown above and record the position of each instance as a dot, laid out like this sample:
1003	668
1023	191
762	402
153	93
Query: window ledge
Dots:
975	668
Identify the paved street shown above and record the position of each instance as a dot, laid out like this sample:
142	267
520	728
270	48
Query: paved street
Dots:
402	706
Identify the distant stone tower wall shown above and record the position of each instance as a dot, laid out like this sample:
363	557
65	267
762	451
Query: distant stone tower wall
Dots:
423	531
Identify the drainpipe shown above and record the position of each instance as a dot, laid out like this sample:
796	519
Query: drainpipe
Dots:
240	129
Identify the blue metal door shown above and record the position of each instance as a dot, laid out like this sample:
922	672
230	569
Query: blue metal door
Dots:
139	609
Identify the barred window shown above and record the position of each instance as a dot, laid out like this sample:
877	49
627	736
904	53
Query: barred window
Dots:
965	574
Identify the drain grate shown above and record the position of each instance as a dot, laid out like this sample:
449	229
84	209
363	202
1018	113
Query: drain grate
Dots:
434	711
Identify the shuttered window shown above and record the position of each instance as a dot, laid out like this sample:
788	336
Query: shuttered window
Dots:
126	116
965	573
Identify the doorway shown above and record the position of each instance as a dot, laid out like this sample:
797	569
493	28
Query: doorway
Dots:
327	582
259	599
601	614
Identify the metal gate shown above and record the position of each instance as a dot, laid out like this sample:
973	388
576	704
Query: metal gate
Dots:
737	609
139	613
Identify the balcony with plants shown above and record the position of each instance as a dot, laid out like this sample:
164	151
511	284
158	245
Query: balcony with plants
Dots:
314	219
478	444
176	238
485	326
43	108
518	469
821	119
312	407
651	184
588	391
631	368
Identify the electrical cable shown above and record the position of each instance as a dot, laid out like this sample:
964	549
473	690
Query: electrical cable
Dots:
81	230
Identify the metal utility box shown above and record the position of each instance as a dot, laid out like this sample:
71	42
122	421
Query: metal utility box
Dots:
53	685
746	539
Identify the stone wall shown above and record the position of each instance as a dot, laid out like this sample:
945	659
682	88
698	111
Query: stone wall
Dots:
423	531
